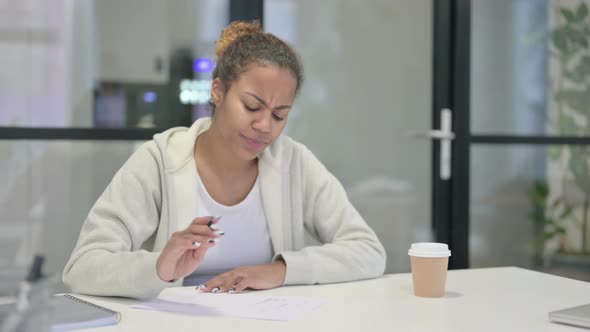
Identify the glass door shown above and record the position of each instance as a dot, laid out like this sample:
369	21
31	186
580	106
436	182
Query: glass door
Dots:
522	87
365	107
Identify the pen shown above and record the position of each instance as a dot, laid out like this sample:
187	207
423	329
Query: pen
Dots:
212	220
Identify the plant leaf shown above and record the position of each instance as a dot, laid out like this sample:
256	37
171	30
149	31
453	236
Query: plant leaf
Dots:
574	76
578	100
566	212
568	14
582	11
583	66
559	39
549	235
550	222
579	167
539	192
566	124
578	37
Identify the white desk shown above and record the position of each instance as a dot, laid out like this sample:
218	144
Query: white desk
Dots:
496	299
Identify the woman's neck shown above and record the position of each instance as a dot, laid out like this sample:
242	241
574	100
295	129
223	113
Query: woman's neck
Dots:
218	157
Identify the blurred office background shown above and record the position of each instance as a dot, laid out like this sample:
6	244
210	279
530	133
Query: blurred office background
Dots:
130	68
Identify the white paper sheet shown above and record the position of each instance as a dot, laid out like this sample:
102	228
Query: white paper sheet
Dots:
245	305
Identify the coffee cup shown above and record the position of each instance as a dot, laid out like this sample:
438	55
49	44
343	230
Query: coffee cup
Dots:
429	261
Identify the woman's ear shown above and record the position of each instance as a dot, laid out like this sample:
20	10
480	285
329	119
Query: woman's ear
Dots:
217	91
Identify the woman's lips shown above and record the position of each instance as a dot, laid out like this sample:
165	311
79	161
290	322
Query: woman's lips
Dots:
255	144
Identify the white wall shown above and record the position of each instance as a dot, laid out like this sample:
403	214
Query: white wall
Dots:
83	60
33	53
132	36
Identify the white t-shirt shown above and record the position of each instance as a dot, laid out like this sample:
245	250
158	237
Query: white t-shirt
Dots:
246	240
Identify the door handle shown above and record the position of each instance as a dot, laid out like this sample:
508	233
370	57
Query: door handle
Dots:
445	134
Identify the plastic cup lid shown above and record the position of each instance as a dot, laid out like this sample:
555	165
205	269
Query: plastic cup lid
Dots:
429	249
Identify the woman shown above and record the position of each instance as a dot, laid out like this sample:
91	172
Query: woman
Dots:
260	198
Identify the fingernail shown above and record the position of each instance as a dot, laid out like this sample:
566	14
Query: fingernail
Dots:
212	240
196	244
201	286
219	232
231	291
215	290
210	221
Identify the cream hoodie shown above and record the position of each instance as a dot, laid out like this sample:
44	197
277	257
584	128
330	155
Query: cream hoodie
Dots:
312	224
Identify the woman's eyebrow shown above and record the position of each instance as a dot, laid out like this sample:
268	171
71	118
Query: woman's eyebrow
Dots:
260	100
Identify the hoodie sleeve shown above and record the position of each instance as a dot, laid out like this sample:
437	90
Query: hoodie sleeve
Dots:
350	249
108	259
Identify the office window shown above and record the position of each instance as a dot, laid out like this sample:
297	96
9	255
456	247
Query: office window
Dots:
48	189
529	208
107	63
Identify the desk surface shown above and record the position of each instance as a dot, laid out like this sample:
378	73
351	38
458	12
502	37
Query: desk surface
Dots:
495	299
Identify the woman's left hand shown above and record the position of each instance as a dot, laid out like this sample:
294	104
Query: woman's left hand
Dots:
263	276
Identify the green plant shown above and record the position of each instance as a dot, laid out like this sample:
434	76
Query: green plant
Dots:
570	41
550	227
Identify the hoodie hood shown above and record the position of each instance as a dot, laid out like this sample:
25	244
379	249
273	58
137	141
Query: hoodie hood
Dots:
177	146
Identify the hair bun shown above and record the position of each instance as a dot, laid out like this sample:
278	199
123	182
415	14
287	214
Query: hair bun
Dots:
232	32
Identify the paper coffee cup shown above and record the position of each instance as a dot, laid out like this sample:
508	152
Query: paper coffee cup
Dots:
429	262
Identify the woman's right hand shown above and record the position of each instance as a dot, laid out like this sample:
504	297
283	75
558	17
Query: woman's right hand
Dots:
186	249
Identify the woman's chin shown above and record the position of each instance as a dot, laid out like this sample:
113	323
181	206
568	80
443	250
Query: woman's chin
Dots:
249	155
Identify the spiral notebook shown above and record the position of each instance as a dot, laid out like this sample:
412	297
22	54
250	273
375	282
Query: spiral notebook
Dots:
72	313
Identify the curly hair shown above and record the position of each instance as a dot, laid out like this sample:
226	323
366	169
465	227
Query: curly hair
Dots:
244	43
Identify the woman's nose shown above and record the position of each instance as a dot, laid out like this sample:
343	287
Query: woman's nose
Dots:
263	122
